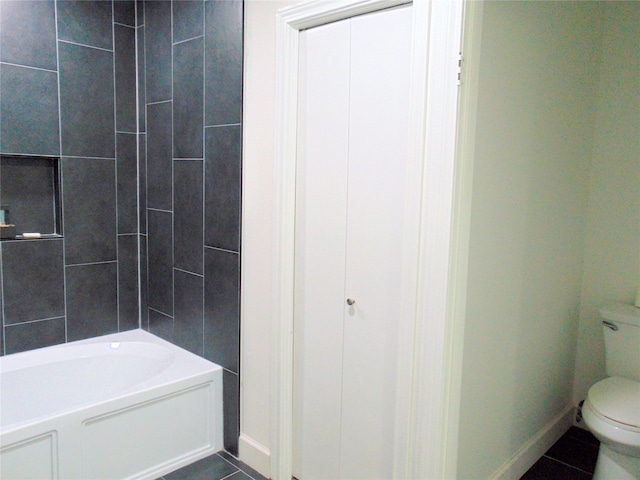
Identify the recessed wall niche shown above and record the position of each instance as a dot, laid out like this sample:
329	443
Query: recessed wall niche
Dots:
30	191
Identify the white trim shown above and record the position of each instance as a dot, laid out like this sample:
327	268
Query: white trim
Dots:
537	445
433	351
462	196
255	454
422	412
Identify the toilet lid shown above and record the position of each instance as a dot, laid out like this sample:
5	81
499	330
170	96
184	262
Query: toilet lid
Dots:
617	399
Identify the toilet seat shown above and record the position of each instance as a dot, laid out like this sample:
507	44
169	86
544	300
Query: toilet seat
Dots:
617	400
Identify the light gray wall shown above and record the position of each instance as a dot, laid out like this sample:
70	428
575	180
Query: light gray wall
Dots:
612	253
535	126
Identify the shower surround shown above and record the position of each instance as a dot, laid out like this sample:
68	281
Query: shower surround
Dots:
142	103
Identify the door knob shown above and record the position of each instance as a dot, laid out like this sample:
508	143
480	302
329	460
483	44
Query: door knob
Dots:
350	301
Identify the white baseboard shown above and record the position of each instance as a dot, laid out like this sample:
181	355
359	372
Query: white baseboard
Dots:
531	451
254	454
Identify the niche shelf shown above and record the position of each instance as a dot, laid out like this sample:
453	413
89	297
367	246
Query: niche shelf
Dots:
30	190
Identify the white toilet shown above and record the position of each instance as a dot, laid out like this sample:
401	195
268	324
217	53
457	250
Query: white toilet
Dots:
612	408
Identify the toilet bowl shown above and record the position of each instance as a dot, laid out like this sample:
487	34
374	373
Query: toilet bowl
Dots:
612	408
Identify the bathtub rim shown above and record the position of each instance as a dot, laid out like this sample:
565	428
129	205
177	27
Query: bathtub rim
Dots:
198	367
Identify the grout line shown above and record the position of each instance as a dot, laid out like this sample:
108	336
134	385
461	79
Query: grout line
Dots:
236	466
230	463
159	101
122	24
33	321
141	67
568	464
28	66
61	180
86	46
173	176
115	143
187	40
231	474
88	158
159	210
203	171
2	339
161	313
223	125
106	262
188	272
222	249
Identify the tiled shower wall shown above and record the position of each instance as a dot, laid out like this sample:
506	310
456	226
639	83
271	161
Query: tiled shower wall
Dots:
68	90
61	65
192	132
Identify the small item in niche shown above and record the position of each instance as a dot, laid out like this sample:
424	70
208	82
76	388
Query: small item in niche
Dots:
31	235
4	214
7	230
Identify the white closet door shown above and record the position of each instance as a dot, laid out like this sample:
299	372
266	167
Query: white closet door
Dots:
354	111
378	149
321	210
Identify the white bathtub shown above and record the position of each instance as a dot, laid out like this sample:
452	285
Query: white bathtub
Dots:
127	405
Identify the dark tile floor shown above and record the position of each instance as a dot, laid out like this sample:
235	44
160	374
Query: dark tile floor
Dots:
218	466
573	457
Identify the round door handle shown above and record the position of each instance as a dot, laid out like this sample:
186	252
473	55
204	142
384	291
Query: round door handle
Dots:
350	301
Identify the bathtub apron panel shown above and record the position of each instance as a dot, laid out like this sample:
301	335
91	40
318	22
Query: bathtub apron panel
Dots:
122	406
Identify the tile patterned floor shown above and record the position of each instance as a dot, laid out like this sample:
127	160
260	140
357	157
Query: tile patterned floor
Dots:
218	466
573	457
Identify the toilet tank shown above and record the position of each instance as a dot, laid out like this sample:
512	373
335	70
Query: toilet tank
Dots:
621	327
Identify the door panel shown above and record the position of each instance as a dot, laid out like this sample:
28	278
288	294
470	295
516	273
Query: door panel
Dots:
352	168
378	142
320	249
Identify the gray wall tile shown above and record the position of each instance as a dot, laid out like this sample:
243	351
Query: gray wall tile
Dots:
160	259
128	297
29	111
86	23
222	187
187	19
33	280
223	62
124	11
142	181
127	168
28	33
141	65
125	46
161	325
86	101
188	198
144	287
32	335
188	318
139	12
231	408
221	308
92	300
159	131
158	50
89	202
188	88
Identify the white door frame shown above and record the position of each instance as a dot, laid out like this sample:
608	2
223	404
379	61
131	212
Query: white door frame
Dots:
424	377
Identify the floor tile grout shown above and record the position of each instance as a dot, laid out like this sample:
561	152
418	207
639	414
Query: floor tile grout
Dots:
568	465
